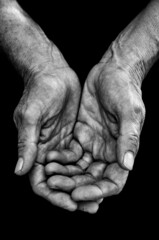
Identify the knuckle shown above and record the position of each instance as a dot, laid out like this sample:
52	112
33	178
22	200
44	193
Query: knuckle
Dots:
28	115
134	112
17	116
136	117
139	111
19	111
21	145
31	114
24	115
138	114
134	143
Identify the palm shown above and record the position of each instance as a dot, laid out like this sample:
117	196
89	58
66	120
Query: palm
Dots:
96	128
60	114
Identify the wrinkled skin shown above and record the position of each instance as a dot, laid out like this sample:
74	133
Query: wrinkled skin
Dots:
80	162
109	123
45	118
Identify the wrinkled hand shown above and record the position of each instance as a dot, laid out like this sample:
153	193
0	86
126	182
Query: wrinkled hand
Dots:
45	117
108	128
109	124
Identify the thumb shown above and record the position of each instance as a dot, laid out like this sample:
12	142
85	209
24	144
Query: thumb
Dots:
128	143
28	133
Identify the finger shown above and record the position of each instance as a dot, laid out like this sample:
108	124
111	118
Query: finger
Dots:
59	199
107	188
28	132
56	168
64	157
128	142
76	148
117	175
62	200
83	164
96	169
61	182
87	193
100	189
83	179
85	161
90	207
74	170
37	175
39	186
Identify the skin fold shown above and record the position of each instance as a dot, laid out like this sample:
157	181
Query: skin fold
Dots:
78	148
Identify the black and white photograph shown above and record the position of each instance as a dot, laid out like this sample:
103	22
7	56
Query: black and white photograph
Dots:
79	131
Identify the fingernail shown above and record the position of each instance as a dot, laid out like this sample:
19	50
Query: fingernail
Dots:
129	160
19	165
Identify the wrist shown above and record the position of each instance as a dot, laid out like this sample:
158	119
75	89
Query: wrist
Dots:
136	48
40	71
126	63
26	45
131	60
50	70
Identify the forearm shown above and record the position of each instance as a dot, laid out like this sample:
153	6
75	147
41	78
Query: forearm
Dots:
136	47
24	42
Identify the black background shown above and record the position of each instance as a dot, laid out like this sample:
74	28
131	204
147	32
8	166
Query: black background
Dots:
82	31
